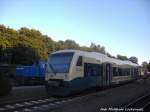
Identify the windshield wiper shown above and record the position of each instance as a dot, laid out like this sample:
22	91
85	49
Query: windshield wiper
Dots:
52	68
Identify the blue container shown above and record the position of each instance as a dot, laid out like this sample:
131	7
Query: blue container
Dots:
31	71
42	69
27	71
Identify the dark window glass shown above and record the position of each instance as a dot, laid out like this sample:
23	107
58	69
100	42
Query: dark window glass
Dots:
132	71
136	71
123	72
115	72
92	69
128	71
119	71
79	62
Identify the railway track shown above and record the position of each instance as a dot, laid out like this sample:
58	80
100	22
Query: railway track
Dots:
45	104
142	103
41	105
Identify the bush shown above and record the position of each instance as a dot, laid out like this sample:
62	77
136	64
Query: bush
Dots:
5	86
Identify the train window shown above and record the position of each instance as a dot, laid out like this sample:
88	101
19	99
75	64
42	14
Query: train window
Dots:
92	69
127	71
136	71
79	62
60	62
120	71
123	72
132	71
115	72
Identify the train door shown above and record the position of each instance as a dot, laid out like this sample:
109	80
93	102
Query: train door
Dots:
107	74
93	74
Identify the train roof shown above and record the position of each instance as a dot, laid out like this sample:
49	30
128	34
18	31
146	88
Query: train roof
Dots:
102	57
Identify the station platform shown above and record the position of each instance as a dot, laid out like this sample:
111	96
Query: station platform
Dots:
111	98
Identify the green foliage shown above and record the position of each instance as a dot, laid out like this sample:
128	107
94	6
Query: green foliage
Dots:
109	55
85	48
133	59
25	46
97	48
29	55
25	43
71	44
144	65
122	57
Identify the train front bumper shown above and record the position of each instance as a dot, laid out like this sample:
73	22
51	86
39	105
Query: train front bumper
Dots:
57	88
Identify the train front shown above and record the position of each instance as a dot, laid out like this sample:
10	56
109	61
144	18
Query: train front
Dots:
57	73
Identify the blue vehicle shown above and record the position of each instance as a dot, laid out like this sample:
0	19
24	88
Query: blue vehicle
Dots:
30	75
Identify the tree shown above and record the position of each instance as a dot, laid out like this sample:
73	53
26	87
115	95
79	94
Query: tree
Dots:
144	66
71	44
109	55
85	48
148	66
102	50
60	45
133	59
97	48
122	57
93	46
24	43
24	55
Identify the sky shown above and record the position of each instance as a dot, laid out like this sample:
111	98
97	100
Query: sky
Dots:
122	26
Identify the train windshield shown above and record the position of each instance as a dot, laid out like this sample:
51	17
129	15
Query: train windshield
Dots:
59	63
